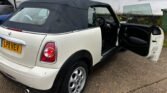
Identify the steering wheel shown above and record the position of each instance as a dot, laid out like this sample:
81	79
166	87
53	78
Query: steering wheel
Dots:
100	21
28	17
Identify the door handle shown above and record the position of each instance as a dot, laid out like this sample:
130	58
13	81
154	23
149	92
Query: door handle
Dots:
154	41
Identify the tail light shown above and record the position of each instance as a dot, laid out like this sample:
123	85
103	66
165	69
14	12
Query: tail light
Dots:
49	53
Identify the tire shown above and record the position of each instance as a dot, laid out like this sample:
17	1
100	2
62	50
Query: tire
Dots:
75	79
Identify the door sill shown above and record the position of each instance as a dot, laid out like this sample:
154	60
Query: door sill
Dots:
107	52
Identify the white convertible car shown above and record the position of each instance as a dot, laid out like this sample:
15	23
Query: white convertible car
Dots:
51	45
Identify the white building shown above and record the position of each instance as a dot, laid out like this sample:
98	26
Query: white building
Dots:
138	7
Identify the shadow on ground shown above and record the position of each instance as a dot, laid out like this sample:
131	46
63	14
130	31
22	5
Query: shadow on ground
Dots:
129	73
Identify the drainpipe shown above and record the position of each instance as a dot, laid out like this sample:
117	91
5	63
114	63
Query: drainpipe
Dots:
15	5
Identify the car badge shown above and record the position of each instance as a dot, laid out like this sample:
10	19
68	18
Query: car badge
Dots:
10	33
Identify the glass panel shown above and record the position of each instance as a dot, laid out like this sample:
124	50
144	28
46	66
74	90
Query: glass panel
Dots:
36	16
96	12
138	9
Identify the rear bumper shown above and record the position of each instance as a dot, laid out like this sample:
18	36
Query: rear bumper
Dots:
37	77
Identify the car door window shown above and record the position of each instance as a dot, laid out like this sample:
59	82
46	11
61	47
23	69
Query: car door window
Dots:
96	12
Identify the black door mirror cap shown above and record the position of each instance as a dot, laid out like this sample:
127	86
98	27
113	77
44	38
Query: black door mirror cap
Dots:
155	30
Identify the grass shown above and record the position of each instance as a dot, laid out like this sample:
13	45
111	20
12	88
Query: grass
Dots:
165	42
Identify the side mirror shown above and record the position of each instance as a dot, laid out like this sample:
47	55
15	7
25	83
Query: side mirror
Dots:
155	30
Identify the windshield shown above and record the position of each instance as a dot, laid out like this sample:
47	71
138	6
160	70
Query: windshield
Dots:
35	16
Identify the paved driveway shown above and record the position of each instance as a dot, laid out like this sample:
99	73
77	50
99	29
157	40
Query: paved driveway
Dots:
124	73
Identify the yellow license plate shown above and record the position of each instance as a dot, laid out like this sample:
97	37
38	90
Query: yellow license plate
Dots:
17	48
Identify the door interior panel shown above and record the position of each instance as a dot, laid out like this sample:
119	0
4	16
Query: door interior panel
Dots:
135	38
137	41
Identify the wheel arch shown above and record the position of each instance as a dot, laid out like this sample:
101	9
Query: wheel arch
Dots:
79	55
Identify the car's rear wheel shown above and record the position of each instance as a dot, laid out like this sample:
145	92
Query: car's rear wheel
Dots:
75	79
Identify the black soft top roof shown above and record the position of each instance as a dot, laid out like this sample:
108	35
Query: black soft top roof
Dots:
65	15
72	3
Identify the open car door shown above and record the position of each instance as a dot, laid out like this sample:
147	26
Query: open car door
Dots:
146	41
